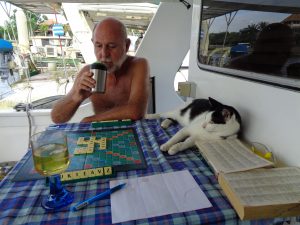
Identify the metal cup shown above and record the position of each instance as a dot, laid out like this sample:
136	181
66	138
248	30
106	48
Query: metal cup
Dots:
100	73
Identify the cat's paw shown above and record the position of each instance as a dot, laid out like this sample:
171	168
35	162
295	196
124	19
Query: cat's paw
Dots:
163	126
172	151
232	136
164	148
165	123
175	148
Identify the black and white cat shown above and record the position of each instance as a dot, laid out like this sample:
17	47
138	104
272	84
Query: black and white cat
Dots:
203	119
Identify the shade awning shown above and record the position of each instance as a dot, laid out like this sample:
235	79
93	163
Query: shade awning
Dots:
5	46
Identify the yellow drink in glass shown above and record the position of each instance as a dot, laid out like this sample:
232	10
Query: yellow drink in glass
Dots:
51	159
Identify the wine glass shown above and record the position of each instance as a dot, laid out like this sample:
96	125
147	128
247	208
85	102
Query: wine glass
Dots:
51	157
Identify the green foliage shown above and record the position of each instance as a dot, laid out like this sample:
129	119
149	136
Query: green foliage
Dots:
10	26
34	21
245	35
44	28
1	32
217	38
67	29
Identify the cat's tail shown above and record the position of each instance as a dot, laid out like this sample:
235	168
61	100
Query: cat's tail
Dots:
152	116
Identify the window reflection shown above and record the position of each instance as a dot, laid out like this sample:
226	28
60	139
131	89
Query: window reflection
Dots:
264	42
269	53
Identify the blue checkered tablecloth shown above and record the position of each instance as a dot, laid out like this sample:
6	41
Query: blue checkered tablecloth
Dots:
20	202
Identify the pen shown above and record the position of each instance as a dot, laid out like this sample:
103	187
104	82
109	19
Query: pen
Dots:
102	195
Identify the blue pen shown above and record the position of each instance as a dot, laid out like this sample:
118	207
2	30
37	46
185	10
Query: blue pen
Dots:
97	197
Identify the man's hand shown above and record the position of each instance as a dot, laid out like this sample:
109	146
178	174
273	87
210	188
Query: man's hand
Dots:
83	85
88	119
65	108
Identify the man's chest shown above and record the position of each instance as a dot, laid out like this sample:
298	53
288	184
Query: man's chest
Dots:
118	89
117	92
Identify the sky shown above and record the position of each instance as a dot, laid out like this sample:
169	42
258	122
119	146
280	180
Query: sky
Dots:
245	18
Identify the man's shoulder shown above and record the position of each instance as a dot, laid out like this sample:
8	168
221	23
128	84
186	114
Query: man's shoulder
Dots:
137	65
138	61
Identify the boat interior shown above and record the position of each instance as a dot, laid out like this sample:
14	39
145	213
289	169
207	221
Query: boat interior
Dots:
207	34
268	104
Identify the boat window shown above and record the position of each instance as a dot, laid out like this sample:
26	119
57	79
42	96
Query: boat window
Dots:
258	41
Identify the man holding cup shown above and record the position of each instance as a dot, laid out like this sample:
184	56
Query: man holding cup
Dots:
127	80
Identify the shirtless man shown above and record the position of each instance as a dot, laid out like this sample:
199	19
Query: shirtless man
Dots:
127	83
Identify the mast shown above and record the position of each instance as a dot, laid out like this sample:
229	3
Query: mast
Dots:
23	38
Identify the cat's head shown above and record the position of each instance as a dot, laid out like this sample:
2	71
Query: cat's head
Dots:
222	119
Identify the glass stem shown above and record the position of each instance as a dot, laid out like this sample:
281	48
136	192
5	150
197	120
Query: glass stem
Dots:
55	184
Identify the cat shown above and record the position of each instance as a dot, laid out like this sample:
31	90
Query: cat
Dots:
203	119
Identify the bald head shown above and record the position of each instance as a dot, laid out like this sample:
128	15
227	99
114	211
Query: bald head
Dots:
110	43
111	25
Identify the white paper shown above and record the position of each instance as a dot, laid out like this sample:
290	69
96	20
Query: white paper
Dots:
230	155
266	186
156	195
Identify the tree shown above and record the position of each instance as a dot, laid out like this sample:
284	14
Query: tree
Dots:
262	25
10	26
34	21
245	35
2	30
249	34
44	28
67	29
6	7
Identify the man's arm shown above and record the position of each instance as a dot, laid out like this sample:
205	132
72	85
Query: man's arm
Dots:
136	106
66	107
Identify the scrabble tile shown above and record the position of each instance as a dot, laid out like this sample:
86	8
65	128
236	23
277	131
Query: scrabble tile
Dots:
92	173
99	171
77	175
107	170
80	140
66	176
79	151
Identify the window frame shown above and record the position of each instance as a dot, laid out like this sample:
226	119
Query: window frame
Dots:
262	78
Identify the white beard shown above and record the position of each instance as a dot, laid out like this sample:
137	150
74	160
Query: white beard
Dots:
118	64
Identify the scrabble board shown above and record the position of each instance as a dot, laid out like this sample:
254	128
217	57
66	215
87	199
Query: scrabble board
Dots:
110	123
96	154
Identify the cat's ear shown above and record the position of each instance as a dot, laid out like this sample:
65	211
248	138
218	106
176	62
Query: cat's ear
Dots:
214	102
226	114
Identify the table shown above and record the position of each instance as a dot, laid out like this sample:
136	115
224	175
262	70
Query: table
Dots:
20	202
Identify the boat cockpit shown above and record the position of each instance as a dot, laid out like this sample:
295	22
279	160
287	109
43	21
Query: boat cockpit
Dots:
244	53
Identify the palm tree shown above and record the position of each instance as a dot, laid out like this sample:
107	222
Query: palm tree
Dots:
248	34
262	25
